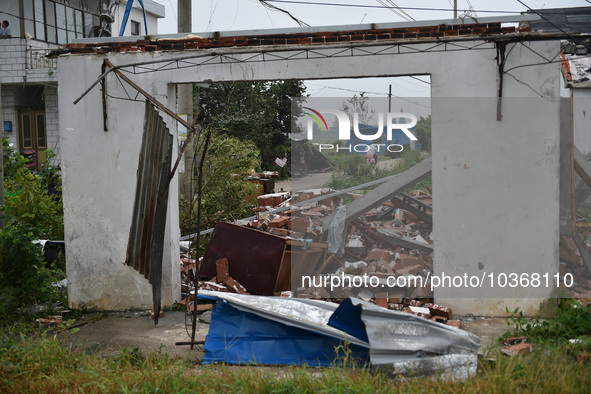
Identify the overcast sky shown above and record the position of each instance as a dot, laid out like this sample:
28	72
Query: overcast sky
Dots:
226	15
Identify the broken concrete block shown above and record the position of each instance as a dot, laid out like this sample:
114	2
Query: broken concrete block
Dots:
221	269
440	319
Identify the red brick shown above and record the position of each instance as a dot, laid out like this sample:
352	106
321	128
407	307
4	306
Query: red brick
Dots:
161	315
438	310
514	340
221	269
520	348
440	319
382	300
454	323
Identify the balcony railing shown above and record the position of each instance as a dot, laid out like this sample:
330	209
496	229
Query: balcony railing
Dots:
37	59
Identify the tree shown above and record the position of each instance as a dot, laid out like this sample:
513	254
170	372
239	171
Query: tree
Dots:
360	105
423	133
227	195
253	111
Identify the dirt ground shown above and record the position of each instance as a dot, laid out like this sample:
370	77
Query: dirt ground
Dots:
108	335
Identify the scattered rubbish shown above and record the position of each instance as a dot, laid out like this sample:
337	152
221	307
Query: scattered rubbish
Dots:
60	283
263	254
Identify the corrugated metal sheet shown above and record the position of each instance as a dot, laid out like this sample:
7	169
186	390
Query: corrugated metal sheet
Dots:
247	329
146	236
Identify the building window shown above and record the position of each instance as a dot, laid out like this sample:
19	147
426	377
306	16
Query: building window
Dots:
59	21
135	28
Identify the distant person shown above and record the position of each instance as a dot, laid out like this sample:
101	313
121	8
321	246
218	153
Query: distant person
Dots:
372	155
5	31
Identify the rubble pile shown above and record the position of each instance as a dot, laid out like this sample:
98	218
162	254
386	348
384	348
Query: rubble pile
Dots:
392	241
572	268
387	241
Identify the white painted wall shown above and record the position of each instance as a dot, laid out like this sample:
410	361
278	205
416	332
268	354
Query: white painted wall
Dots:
582	119
495	183
99	179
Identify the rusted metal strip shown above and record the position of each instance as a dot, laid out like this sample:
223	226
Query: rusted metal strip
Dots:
190	127
146	236
151	98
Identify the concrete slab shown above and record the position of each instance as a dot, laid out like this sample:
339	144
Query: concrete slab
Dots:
107	336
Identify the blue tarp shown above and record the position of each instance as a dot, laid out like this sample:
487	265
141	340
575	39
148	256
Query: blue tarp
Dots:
237	337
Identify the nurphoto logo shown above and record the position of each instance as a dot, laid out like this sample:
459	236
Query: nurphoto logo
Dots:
393	121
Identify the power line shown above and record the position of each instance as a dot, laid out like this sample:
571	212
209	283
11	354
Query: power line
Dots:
266	4
384	7
546	19
394	8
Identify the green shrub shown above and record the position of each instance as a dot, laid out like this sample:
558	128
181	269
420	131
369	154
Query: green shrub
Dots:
572	320
30	213
227	195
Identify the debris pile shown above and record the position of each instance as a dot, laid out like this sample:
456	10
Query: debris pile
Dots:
392	240
572	269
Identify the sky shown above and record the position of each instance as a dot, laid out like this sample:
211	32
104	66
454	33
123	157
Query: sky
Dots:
227	15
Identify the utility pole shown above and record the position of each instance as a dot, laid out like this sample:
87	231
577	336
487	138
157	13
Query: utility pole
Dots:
455	9
390	99
185	99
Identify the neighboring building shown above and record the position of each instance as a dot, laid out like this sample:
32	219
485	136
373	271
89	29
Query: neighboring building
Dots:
28	80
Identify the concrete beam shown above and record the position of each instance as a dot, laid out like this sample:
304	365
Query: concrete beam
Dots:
385	191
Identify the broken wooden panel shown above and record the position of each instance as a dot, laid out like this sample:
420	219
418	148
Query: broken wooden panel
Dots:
146	236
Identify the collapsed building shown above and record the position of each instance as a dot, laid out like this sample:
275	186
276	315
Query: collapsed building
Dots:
502	145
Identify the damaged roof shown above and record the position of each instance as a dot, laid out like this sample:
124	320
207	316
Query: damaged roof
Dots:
576	63
422	30
561	20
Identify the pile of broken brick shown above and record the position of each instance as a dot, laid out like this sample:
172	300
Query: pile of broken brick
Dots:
391	240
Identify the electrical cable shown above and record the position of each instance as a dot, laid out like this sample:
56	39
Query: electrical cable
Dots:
401	10
382	7
546	19
274	8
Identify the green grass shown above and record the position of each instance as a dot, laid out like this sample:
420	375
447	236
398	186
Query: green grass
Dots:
34	361
353	170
